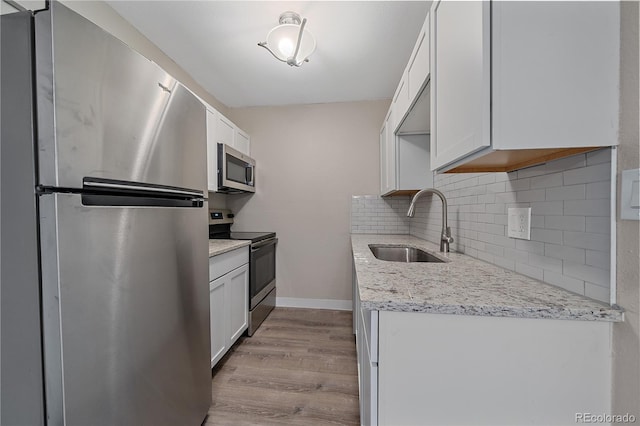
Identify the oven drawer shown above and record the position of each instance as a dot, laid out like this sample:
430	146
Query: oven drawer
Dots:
227	262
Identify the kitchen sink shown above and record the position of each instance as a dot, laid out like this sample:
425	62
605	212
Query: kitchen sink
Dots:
400	253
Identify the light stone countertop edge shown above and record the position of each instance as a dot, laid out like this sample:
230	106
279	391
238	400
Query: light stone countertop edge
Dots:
217	247
462	286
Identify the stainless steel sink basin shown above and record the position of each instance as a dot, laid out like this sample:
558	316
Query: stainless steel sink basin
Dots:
398	253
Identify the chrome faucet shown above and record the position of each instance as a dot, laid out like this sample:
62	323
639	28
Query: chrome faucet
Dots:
445	237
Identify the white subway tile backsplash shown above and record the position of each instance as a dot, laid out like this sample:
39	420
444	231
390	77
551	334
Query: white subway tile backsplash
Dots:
599	156
530	271
530	195
496	208
598	207
371	214
588	273
547	208
568	163
598	172
532	171
595	291
547	181
487	178
558	251
598	225
519	184
571	192
570	235
496	187
565	223
494	250
546	235
599	259
483	255
530	246
599	190
568	283
569	200
537	221
546	263
517	255
586	240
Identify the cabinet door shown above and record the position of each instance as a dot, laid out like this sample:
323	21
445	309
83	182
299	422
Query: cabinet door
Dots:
401	102
383	159
225	131
460	80
387	156
418	68
555	74
217	319
367	363
237	293
212	153
242	142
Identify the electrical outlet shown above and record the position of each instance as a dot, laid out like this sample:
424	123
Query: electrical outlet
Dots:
519	223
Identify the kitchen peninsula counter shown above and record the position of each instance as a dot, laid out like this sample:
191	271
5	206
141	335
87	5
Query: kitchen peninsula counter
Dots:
462	286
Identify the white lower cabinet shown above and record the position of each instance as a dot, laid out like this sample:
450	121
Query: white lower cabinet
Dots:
228	299
367	354
435	369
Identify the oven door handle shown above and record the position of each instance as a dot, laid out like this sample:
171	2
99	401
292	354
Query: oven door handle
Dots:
259	245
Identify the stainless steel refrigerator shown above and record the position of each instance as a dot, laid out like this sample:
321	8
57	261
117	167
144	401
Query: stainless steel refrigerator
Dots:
105	308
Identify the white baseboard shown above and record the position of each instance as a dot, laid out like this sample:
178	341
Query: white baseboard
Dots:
294	302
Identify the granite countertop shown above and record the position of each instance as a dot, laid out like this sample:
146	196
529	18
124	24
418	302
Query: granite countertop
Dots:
462	286
217	247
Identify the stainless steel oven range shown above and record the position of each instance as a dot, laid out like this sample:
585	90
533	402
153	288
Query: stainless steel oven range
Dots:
262	265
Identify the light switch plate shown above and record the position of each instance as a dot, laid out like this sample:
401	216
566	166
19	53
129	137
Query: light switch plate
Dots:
519	223
630	195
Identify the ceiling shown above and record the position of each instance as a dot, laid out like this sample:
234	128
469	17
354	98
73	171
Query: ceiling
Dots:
362	47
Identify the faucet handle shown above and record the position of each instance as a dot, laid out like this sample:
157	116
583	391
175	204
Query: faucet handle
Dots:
447	235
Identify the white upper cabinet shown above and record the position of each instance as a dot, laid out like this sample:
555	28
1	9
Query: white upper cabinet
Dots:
518	83
414	78
401	102
221	130
404	161
460	80
418	67
387	156
242	142
404	138
225	131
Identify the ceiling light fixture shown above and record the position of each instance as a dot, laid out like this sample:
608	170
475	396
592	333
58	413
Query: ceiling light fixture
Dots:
292	43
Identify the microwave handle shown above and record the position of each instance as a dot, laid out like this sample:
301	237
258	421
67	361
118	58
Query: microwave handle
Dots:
248	174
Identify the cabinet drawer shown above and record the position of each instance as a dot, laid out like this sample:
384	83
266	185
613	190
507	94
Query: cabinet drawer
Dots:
227	262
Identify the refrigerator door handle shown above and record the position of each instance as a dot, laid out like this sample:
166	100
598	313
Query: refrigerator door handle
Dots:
117	185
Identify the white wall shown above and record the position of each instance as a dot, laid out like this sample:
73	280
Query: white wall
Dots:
108	19
626	335
310	160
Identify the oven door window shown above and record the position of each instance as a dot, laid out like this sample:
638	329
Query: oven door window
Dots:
238	170
263	267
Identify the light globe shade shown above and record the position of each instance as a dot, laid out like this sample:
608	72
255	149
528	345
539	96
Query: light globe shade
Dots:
284	37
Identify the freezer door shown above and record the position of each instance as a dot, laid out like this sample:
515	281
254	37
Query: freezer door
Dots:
126	313
105	111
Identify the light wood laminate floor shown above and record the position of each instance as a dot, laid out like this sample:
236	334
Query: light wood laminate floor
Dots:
299	368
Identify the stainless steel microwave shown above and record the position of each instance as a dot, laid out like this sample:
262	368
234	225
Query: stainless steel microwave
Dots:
236	171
